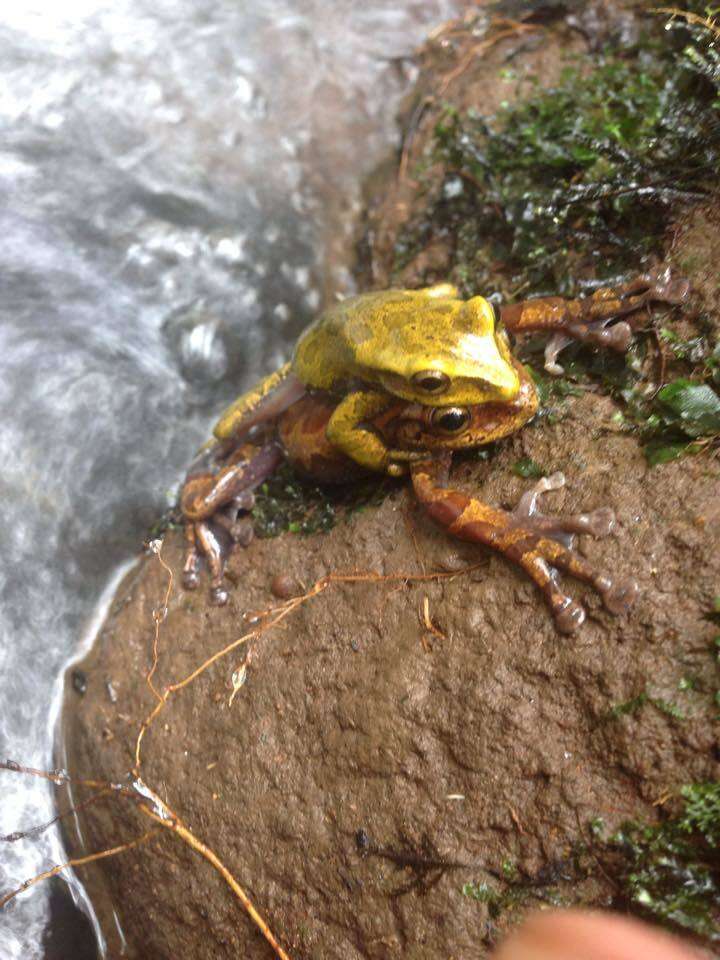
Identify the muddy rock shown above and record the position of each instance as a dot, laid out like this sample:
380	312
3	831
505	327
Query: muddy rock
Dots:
369	767
393	748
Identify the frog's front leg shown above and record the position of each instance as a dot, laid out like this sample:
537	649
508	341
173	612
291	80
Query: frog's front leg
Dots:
211	498
540	544
590	318
266	401
348	431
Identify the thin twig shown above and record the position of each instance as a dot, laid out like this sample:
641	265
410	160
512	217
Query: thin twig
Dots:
513	29
709	23
167	818
271	617
158	617
428	623
59	777
77	862
160	812
34	831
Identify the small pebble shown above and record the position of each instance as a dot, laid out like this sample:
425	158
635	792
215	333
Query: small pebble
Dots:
451	561
362	840
283	586
79	682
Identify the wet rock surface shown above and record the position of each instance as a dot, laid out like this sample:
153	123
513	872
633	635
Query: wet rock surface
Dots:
369	768
394	741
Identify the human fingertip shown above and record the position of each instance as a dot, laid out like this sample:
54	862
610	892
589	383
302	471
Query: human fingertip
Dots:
585	935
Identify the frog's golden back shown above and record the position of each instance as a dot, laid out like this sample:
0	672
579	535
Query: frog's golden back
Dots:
399	333
349	337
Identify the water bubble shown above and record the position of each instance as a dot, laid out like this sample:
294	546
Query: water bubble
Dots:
196	340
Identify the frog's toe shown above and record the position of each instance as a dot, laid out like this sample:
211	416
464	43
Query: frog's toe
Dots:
242	531
556	481
218	596
245	500
617	337
556	343
619	596
678	291
667	286
568	615
601	522
191	579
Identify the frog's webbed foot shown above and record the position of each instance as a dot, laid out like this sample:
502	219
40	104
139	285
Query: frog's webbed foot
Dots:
542	545
235	521
617	337
552	547
661	284
215	504
602	332
596	319
599	523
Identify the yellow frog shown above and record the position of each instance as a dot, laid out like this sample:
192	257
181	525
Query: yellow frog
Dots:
395	381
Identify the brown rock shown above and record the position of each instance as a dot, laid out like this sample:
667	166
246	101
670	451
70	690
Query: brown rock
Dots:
362	775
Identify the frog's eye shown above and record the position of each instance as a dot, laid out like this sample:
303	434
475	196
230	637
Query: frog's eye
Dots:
450	420
431	381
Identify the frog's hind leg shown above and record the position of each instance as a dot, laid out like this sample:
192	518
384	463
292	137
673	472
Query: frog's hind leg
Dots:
191	563
541	545
215	549
265	402
206	492
214	540
211	504
590	319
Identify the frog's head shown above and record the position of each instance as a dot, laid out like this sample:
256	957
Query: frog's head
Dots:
449	352
456	427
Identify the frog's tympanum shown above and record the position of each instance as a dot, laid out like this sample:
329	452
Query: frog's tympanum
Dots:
394	382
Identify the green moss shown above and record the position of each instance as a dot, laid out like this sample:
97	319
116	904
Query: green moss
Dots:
672	871
669	872
288	503
528	469
578	180
631	706
497	900
284	503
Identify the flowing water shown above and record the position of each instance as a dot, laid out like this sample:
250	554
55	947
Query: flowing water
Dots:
172	176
